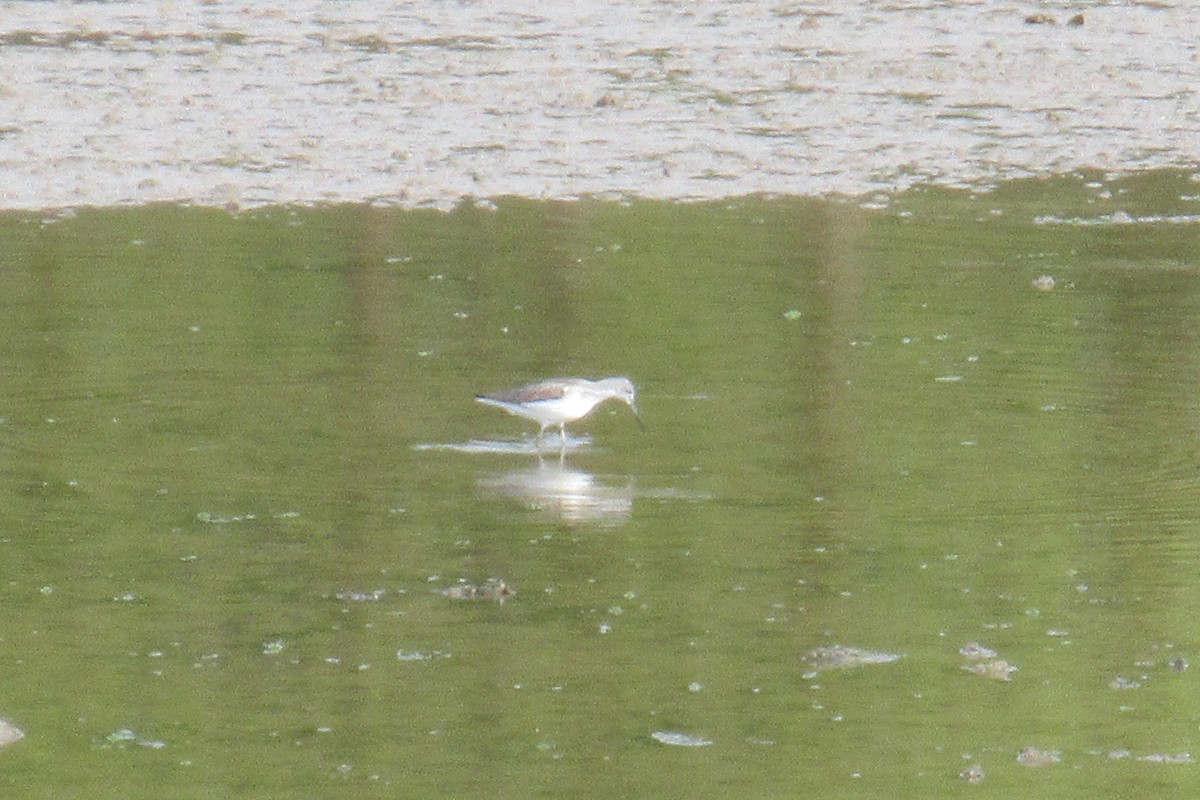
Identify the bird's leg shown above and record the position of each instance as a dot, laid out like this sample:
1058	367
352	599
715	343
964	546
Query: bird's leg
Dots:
562	431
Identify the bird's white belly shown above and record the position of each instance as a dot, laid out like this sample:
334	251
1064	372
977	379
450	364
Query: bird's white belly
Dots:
567	408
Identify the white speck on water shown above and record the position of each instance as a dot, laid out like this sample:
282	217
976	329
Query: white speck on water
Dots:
680	739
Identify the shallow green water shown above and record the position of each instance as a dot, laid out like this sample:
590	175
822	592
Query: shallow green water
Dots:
234	468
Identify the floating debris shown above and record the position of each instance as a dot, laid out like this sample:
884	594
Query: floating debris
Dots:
493	589
1044	283
680	739
1031	756
9	733
986	665
1153	758
996	669
1167	758
1121	682
126	736
842	657
1178	664
350	596
972	774
224	519
976	652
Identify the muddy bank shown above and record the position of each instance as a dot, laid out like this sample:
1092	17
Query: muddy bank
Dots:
424	104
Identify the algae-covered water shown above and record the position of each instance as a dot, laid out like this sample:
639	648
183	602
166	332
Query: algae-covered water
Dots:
916	506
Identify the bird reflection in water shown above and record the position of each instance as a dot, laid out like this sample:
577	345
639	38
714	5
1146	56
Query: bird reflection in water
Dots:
562	492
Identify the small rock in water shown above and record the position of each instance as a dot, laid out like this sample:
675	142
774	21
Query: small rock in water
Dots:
495	590
1044	283
680	739
842	657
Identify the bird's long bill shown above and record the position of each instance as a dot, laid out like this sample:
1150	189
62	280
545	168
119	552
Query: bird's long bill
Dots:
637	416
